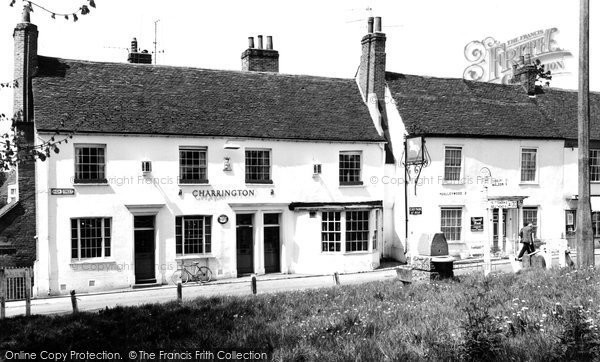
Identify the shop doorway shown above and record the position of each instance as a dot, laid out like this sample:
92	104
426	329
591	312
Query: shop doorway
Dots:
499	245
272	232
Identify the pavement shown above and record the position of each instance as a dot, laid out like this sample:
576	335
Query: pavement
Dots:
270	283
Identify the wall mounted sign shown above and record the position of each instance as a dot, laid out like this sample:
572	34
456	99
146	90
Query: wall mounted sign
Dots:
491	61
415	210
477	223
69	192
453	193
503	204
222	219
221	193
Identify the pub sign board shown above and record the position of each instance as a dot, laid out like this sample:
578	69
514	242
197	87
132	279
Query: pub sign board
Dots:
415	210
477	223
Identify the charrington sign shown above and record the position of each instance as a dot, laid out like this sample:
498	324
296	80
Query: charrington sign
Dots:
492	61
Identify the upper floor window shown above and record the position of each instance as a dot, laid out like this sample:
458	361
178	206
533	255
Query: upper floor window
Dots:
90	238
594	165
528	164
451	223
452	163
192	165
90	164
193	234
258	166
350	168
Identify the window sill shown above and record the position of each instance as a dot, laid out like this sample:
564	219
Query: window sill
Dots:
354	183
529	183
194	256
92	261
254	182
192	182
358	253
451	182
99	182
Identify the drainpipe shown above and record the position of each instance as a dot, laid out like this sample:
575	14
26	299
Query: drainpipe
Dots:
405	197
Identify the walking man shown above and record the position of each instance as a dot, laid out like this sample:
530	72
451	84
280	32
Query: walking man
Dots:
526	235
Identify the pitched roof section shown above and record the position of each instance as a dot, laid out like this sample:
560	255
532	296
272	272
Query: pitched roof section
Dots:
455	107
131	98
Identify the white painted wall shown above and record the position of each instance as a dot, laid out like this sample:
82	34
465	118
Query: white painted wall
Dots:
292	175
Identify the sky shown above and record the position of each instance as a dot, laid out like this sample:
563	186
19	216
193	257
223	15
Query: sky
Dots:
316	37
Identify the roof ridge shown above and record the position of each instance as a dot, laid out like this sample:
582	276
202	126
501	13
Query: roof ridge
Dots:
161	66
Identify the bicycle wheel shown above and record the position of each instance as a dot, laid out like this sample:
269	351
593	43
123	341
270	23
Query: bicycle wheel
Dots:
179	274
204	274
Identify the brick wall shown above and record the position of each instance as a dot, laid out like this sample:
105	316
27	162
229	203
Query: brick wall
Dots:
260	60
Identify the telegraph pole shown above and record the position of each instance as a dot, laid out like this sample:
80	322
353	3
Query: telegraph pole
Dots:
585	237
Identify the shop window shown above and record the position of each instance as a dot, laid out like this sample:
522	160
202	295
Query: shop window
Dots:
595	165
331	231
528	164
90	164
192	165
258	166
452	163
350	168
451	223
90	238
350	229
193	234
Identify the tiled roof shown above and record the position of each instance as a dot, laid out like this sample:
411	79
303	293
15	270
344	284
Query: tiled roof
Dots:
456	107
146	99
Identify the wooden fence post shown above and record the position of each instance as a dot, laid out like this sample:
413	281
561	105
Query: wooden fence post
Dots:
179	291
27	291
253	284
74	302
336	278
2	294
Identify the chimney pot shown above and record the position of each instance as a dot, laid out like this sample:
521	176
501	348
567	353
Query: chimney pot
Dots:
370	25
269	42
26	17
134	46
250	42
260	42
378	24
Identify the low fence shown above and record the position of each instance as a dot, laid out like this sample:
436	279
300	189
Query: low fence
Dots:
15	284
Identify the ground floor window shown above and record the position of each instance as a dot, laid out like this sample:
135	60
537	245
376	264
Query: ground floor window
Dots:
530	215
90	238
596	223
193	234
451	223
349	228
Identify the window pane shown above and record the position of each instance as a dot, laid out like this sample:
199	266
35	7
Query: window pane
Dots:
330	231
192	165
90	163
528	164
90	237
193	234
453	160
357	230
258	165
451	223
349	167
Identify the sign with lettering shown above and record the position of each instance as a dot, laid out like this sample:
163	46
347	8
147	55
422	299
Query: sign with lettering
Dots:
492	61
69	192
503	204
221	193
415	210
453	193
477	223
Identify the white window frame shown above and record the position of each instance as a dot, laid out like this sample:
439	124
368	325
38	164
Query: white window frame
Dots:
252	181
204	234
536	225
200	167
343	231
12	194
460	166
82	181
537	167
460	219
595	166
360	169
103	236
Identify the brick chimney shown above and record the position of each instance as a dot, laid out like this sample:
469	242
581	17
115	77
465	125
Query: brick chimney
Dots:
371	74
137	57
525	73
259	59
18	226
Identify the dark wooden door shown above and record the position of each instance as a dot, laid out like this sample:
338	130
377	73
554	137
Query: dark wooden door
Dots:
271	242
143	227
244	244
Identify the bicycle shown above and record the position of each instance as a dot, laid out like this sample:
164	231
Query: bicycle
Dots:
198	274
